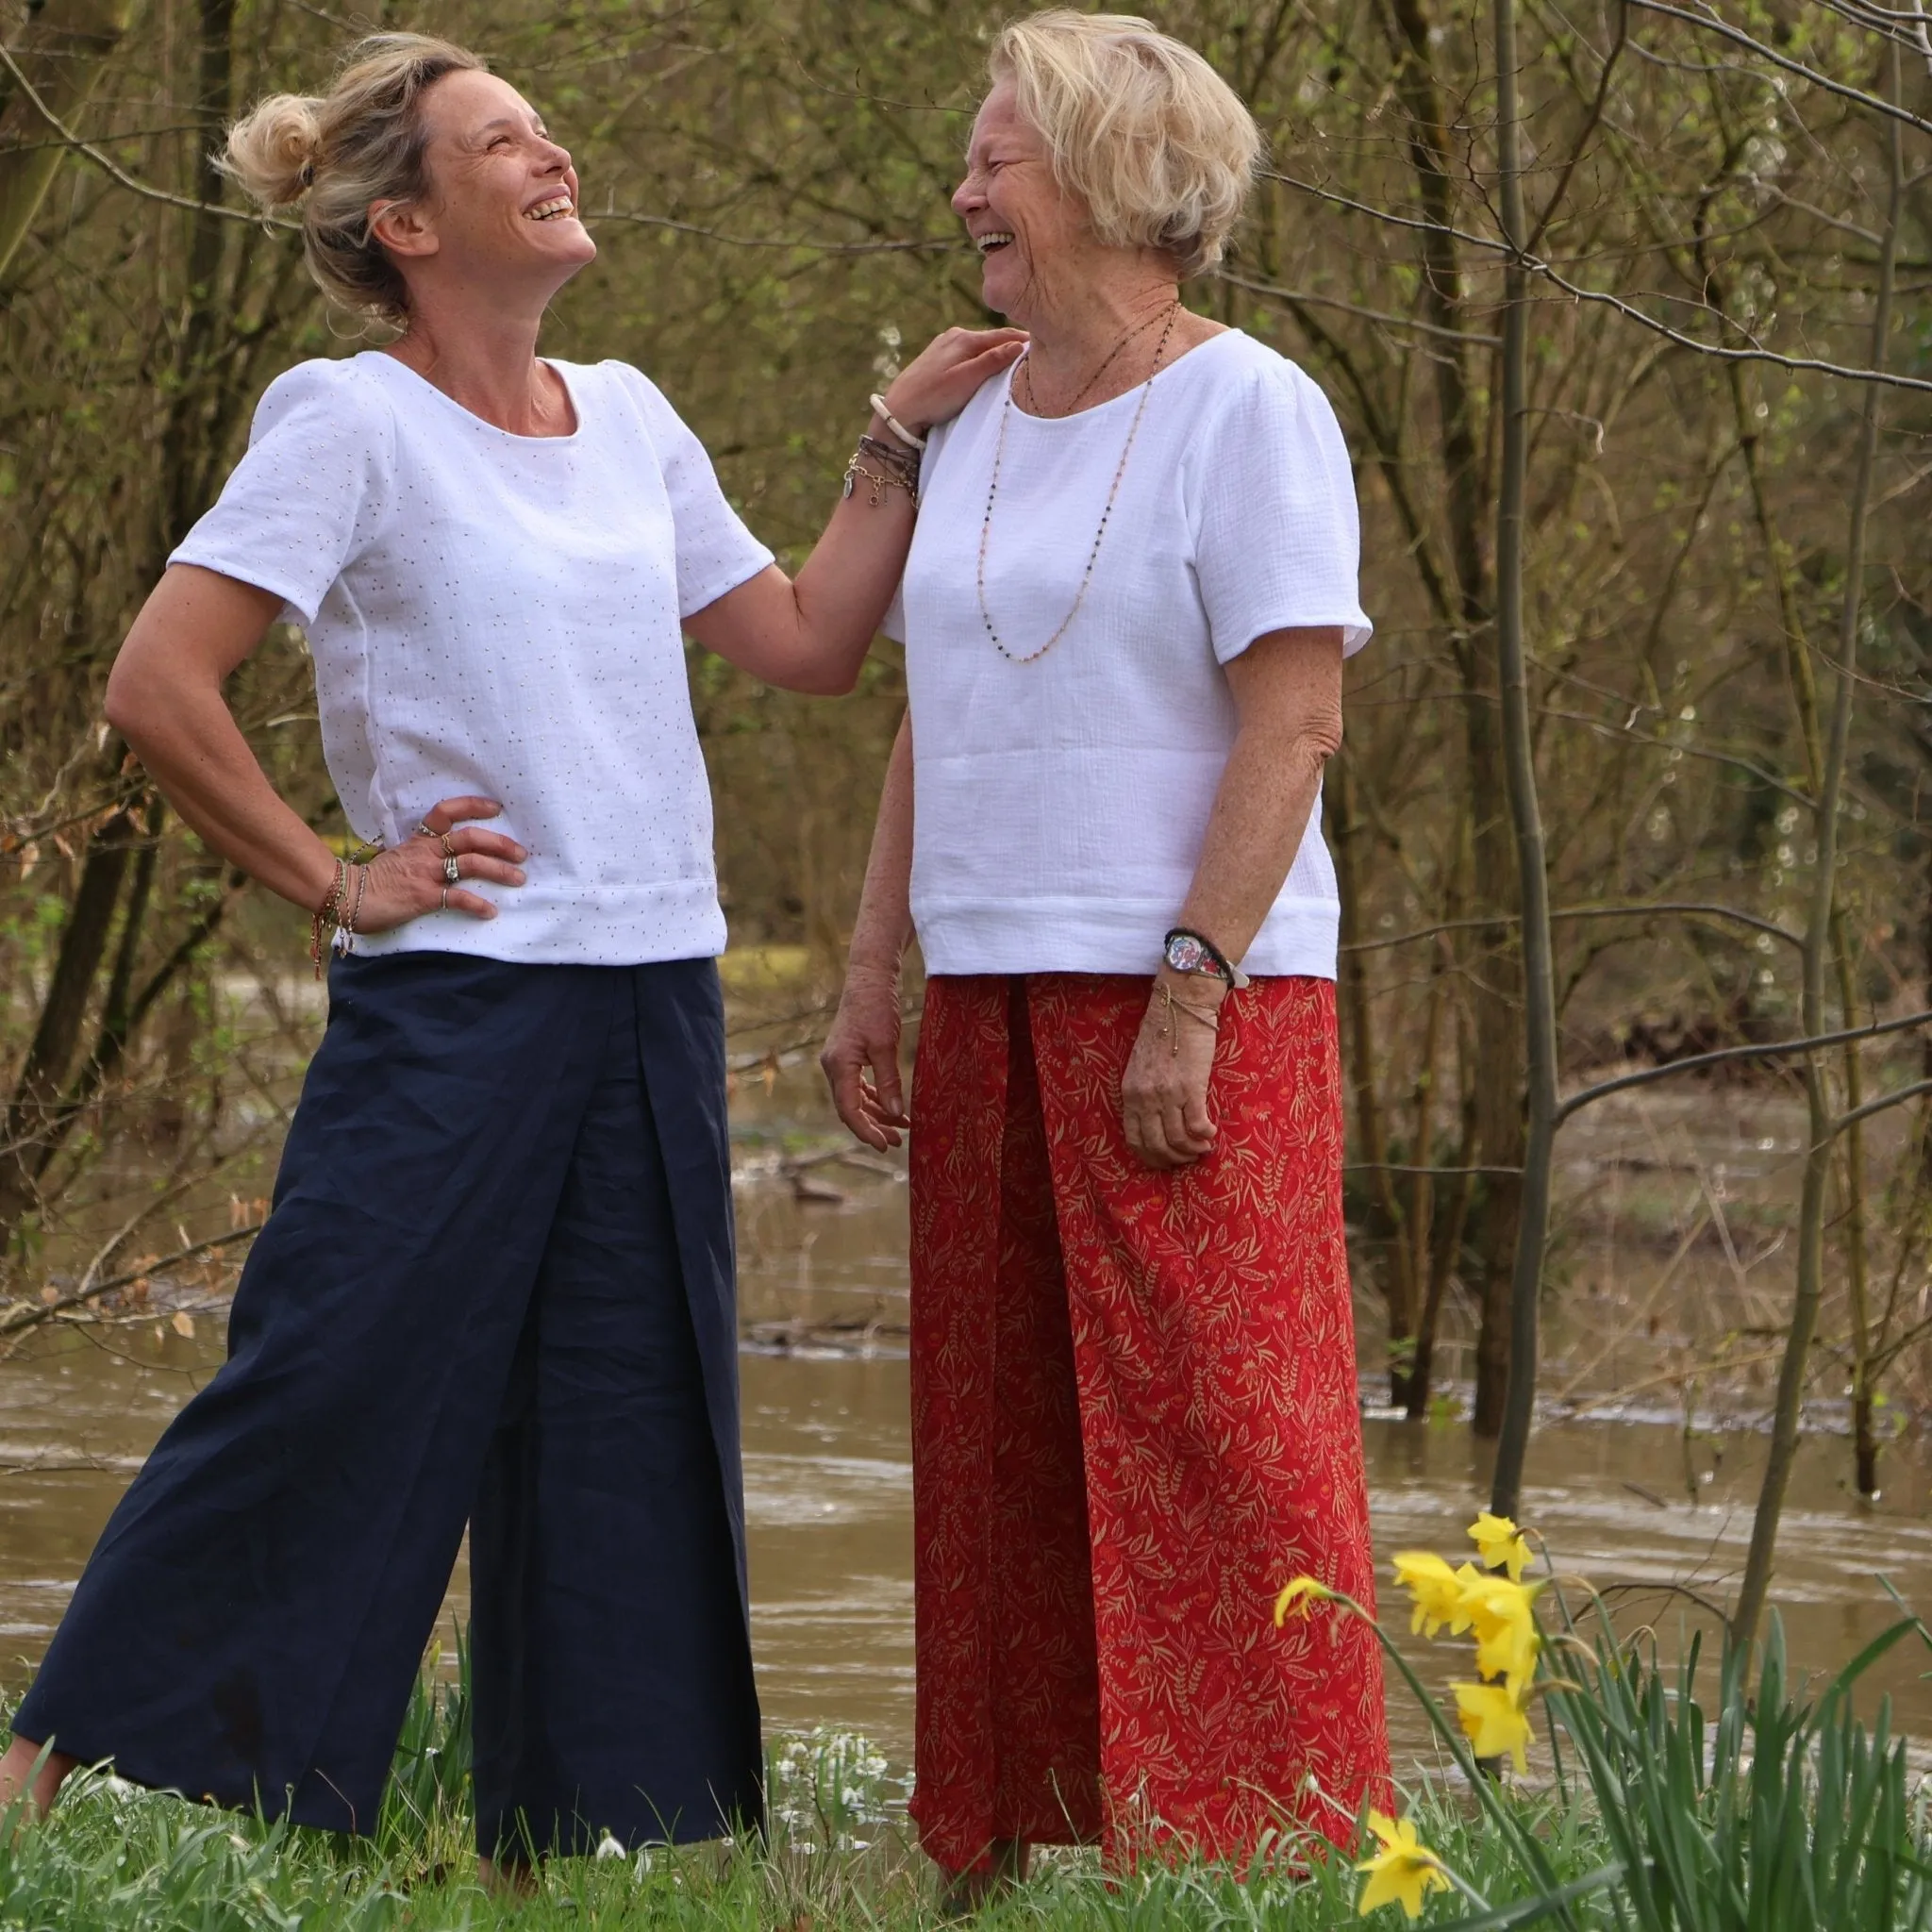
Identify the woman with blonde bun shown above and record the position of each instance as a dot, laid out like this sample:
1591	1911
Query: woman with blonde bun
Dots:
1134	1403
496	1286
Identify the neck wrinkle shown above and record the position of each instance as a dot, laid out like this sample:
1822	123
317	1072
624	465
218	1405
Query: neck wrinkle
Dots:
1067	349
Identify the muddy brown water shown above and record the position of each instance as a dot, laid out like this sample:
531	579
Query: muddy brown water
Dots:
1645	1489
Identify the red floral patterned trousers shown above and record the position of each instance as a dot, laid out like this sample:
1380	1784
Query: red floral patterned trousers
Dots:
1134	1418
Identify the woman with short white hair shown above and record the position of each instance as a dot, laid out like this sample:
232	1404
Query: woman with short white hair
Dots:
1129	595
496	1286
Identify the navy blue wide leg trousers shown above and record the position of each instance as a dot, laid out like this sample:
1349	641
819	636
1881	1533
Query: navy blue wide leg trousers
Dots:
496	1286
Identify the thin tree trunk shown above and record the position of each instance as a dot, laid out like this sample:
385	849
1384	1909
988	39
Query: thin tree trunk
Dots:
1498	1000
1858	1266
1436	1233
1389	1235
189	449
34	1108
1804	684
120	1010
1497	989
1421	1193
41	1114
1787	1413
1445	1247
1538	968
1925	1046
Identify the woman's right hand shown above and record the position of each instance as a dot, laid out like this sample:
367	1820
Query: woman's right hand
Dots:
948	373
408	881
865	1038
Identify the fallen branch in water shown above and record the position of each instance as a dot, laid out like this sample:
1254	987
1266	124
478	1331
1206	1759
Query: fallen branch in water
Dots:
25	1315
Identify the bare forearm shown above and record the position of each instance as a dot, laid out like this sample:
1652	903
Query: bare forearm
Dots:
1260	815
195	750
811	633
1287	689
164	696
845	588
883	928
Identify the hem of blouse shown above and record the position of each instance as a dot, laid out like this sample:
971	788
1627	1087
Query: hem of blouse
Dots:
1299	938
634	929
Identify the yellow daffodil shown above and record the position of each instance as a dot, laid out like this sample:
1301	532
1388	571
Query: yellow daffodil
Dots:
1494	1722
1500	1544
1402	1873
1295	1599
1467	1580
1503	1616
1434	1586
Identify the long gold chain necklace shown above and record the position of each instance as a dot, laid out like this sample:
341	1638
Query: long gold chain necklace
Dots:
1099	536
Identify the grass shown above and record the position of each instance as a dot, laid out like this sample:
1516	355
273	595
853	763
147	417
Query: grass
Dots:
120	1859
124	1860
1772	1811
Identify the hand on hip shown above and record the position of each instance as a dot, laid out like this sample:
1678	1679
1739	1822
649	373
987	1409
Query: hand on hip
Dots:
426	873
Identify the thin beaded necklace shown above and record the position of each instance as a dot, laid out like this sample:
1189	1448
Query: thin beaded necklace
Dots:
1099	535
1133	335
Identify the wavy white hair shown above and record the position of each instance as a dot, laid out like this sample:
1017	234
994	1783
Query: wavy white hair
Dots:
1141	128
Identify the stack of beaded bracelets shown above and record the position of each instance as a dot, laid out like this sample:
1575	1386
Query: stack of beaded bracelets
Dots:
886	465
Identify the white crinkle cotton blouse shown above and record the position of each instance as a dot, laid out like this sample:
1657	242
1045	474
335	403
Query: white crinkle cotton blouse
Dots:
501	615
1061	805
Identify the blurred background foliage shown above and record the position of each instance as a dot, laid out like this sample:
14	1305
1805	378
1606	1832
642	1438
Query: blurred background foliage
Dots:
768	186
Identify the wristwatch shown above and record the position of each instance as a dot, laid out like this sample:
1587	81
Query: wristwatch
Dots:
1191	952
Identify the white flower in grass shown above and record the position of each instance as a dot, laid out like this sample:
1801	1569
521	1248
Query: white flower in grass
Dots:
608	1847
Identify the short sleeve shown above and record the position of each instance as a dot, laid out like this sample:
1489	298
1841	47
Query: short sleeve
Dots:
1278	536
309	494
715	551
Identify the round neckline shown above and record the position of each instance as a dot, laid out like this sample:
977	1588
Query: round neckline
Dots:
469	415
1126	395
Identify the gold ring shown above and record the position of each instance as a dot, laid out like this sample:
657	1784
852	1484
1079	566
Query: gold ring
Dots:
443	906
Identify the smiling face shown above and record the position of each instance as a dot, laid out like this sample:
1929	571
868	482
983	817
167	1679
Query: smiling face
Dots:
1030	233
502	206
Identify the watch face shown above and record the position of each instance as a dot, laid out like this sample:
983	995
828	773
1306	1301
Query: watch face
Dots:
1186	954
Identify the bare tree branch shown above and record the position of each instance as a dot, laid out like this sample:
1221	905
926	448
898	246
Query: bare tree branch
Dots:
1297	296
1711	23
25	1315
1695	908
1914	1091
1549	273
117	172
1731	1054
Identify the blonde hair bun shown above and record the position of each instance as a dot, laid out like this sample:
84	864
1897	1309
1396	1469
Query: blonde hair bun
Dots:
271	151
338	153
